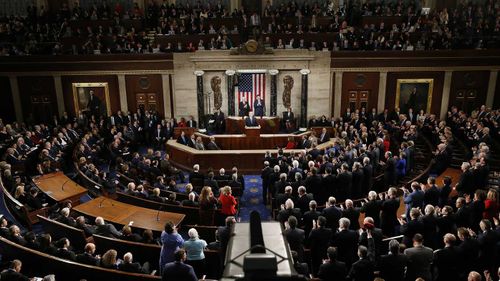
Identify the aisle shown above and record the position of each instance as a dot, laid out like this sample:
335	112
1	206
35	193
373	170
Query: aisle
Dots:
252	199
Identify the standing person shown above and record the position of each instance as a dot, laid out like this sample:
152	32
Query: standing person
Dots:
178	270
208	204
171	241
259	107
228	202
419	260
244	108
194	249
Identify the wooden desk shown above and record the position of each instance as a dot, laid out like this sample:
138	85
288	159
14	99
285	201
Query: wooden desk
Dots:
121	213
248	161
59	187
244	142
268	125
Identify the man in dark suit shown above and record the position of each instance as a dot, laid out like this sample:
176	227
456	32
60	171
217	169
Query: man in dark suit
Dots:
196	175
183	139
212	145
332	213
220	121
259	106
346	241
305	143
344	182
303	199
106	229
419	260
244	108
324	137
332	269
94	104
465	183
129	265
178	270
390	169
318	241
63	250
191	122
251	121
362	270
352	214
289	210
14	272
392	266
446	261
225	233
295	237
282	197
288	119
87	257
265	175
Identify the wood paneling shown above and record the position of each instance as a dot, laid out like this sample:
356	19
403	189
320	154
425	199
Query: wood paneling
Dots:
119	62
437	92
7	112
38	98
469	81
496	101
144	84
360	81
114	97
416	59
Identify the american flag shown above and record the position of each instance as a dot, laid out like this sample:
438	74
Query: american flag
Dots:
251	85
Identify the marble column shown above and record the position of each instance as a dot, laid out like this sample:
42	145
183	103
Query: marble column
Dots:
446	94
165	82
492	85
59	94
122	90
200	98
16	98
382	85
274	92
303	97
337	94
230	92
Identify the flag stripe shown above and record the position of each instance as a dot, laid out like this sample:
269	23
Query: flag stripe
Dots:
251	85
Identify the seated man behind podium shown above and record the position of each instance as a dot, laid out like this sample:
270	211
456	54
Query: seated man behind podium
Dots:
251	121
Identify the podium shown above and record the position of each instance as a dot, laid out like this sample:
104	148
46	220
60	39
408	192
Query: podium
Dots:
252	131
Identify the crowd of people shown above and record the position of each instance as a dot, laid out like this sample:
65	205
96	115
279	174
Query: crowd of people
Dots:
319	193
468	25
449	230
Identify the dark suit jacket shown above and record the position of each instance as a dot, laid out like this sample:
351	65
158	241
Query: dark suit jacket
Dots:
346	242
134	267
446	264
362	270
392	267
333	271
295	238
353	215
419	263
178	271
332	215
318	241
107	230
284	214
12	275
87	259
251	122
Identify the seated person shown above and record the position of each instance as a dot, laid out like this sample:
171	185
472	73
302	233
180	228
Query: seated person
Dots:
88	257
251	121
14	272
129	265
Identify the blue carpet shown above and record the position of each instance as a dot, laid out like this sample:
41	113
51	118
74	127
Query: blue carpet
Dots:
252	199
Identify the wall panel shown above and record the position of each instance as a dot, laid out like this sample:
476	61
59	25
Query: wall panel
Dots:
144	84
465	82
360	81
7	112
38	97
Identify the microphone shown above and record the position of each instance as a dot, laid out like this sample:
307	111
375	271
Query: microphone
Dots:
62	186
158	214
100	203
